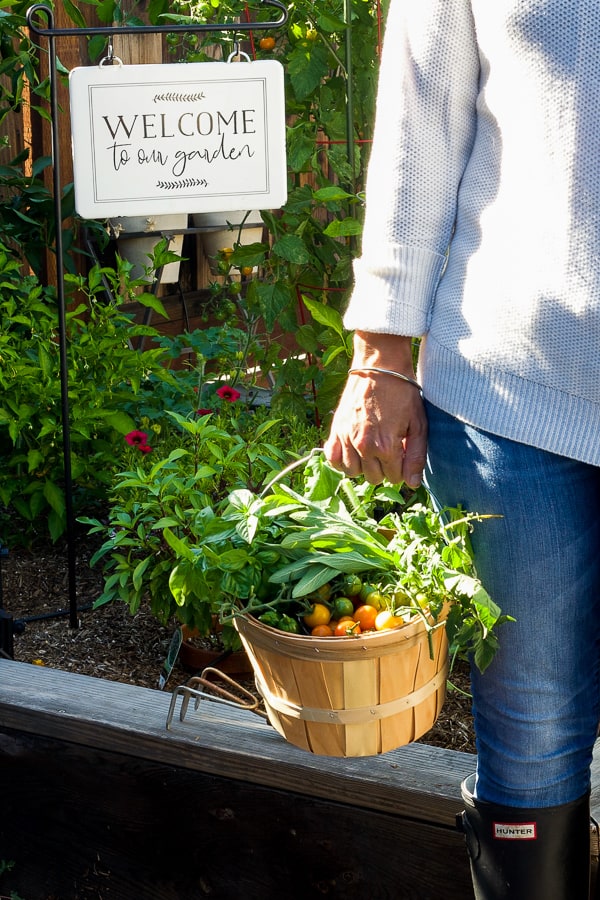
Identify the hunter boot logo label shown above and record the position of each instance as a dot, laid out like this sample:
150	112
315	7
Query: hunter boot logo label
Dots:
514	831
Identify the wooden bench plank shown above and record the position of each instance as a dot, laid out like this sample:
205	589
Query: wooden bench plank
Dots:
418	781
83	823
220	805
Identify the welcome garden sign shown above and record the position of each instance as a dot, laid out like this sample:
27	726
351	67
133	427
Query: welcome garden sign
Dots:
188	137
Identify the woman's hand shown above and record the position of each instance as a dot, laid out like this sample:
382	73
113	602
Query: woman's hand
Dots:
380	428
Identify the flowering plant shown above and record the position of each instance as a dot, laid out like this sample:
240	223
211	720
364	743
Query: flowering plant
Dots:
161	506
138	439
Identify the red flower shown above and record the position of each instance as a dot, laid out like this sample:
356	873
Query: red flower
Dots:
144	448
136	438
203	412
228	393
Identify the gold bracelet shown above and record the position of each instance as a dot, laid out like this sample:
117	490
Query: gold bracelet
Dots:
376	369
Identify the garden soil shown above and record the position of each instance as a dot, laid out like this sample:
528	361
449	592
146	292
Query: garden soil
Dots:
111	643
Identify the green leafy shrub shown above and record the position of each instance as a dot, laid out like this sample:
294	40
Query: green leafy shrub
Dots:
104	374
162	505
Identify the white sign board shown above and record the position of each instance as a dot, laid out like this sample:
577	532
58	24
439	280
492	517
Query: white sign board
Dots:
189	137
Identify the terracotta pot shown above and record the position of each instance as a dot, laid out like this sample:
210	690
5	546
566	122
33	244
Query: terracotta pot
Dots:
196	658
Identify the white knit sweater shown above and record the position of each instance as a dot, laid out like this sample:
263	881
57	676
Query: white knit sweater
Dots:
487	150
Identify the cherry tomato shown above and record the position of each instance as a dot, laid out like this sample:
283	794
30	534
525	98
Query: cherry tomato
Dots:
365	590
267	44
352	585
365	615
319	615
322	631
386	619
345	627
342	606
378	600
322	594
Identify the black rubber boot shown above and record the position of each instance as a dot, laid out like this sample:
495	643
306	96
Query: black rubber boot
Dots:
527	854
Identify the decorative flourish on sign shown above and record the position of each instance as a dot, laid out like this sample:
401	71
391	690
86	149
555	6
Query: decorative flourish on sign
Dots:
184	183
179	98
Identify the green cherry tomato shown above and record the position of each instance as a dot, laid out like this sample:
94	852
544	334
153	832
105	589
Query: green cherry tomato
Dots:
352	585
342	606
365	590
378	600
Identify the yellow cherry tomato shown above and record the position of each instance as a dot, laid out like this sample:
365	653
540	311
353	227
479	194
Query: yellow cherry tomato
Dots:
386	619
318	615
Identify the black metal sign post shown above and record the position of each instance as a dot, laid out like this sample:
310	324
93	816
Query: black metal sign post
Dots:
34	14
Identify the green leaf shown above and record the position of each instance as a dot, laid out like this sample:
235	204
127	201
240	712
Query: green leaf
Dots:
274	298
153	302
332	193
324	315
314	578
138	572
120	421
307	66
35	459
55	497
74	14
292	248
179	547
347	227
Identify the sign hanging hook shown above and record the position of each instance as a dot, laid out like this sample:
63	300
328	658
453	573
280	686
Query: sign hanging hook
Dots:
236	53
110	59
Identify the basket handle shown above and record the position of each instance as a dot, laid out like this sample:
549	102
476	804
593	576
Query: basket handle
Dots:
293	465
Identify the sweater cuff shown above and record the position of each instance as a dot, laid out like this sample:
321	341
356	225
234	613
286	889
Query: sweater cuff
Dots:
393	290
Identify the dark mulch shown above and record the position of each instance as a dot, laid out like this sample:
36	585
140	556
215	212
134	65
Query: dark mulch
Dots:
110	643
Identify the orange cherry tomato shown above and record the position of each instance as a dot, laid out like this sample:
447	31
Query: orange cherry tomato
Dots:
322	631
365	615
267	43
346	626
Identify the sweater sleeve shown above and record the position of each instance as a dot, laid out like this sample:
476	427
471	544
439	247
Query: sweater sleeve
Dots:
424	131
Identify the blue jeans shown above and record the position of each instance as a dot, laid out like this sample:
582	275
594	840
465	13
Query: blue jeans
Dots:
537	706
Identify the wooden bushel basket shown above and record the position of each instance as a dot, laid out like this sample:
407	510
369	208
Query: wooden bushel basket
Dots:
349	696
